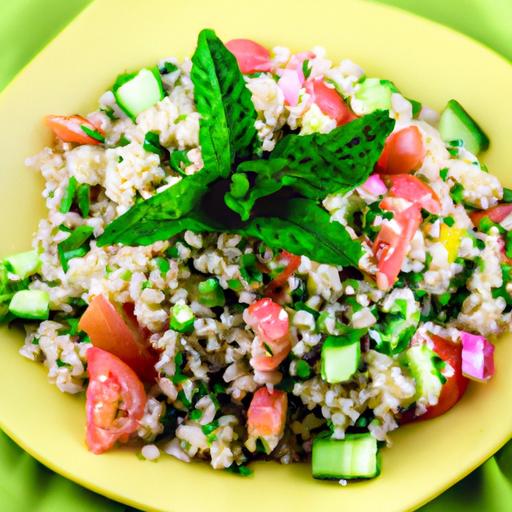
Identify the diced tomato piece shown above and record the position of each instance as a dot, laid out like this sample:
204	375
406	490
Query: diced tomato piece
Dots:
329	101
414	190
69	129
267	413
118	332
251	56
292	263
496	214
270	322
115	400
403	152
393	239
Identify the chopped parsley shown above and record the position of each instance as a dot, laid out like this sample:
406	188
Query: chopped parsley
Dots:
239	470
302	369
94	134
249	269
69	195
457	193
306	68
443	173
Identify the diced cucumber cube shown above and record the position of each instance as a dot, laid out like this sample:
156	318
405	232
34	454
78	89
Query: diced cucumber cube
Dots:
425	367
182	318
30	304
340	358
23	264
356	456
375	94
456	123
137	92
210	293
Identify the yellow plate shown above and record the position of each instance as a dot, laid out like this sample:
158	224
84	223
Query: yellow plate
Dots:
427	62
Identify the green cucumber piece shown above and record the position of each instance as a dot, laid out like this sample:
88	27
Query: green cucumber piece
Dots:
340	358
136	92
375	94
182	318
23	264
456	123
210	293
356	456
30	304
425	367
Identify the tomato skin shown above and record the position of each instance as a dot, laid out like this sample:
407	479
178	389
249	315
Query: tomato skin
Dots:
403	152
292	264
414	190
266	415
251	56
270	322
496	214
117	332
329	101
68	128
390	246
113	387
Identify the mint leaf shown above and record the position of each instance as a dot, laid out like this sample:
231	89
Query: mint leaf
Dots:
134	226
226	133
314	165
179	156
302	227
268	177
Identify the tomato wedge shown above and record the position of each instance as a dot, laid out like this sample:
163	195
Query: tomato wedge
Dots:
270	322
69	129
329	101
115	400
403	152
118	332
496	214
251	56
414	190
393	239
266	415
292	263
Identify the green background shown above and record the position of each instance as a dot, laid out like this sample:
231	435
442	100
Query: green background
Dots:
25	485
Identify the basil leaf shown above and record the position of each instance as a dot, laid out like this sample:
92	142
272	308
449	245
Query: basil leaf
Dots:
302	227
226	133
75	246
314	165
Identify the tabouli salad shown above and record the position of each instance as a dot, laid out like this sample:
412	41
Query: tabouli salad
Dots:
259	254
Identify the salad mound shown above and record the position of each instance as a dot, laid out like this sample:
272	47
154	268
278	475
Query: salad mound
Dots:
259	254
